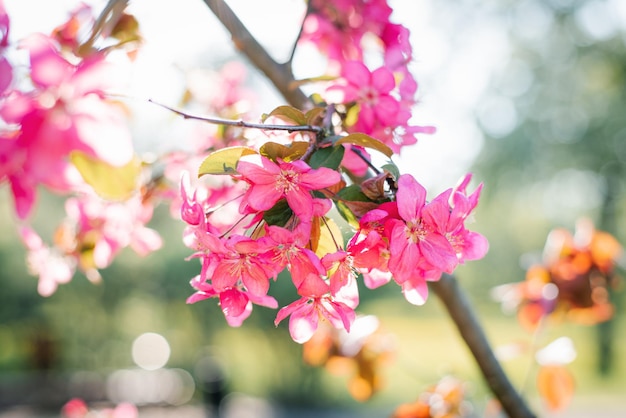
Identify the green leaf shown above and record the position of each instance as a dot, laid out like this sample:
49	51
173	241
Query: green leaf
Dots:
224	161
393	169
327	157
108	181
352	192
352	203
279	214
367	142
289	114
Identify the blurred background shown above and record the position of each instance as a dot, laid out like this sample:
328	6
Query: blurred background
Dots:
528	95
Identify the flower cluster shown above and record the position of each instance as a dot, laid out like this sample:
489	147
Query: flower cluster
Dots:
574	280
59	129
284	223
376	101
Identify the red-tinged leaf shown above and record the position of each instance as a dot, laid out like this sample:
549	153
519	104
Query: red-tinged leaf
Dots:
374	187
287	153
314	116
556	386
289	114
223	161
366	141
108	181
315	234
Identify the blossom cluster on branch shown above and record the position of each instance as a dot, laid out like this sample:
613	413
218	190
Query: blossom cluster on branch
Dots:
322	158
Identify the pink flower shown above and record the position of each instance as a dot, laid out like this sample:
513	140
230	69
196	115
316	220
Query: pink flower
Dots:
306	312
288	249
415	245
340	266
371	91
236	304
294	181
469	245
237	260
337	28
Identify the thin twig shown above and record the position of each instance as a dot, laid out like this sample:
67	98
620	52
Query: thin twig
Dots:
464	317
309	8
241	123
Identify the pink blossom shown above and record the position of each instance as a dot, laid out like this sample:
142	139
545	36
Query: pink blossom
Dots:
294	181
418	251
337	28
237	260
236	304
288	249
342	277
469	245
371	91
306	312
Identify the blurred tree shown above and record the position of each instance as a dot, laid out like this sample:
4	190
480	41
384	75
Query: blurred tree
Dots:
556	133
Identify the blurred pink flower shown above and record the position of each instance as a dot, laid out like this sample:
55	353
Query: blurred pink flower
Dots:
65	113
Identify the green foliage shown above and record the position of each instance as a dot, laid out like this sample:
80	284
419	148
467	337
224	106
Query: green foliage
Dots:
329	157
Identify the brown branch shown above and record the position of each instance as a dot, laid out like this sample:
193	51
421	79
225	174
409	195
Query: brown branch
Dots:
107	19
241	123
464	317
279	74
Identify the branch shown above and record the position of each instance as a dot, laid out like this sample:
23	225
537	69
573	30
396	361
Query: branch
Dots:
309	9
106	20
241	123
463	315
279	74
